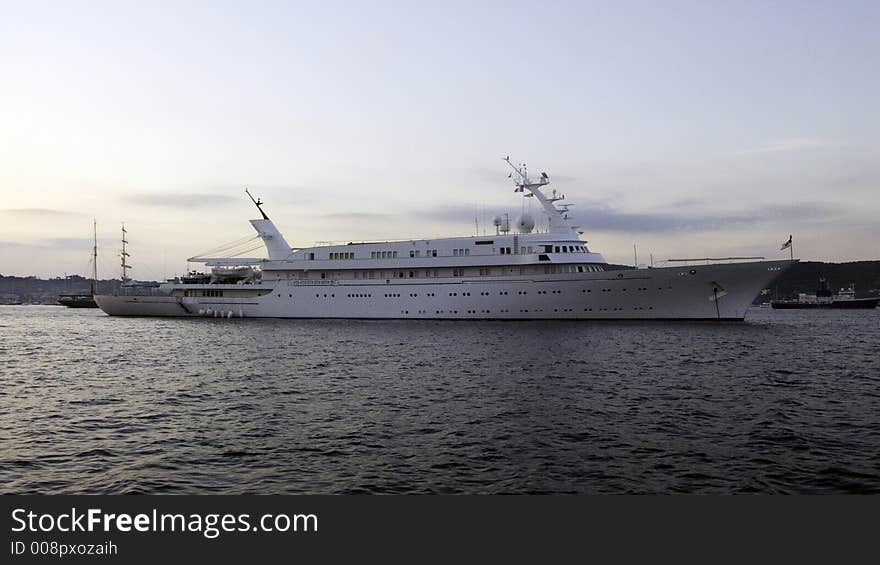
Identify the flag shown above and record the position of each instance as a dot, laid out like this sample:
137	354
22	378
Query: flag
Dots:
787	244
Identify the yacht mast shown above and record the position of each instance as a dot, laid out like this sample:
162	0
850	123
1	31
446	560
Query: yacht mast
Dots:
558	218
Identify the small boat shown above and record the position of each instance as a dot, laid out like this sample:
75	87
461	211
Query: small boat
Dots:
823	298
77	300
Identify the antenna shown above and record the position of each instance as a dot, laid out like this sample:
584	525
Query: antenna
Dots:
258	203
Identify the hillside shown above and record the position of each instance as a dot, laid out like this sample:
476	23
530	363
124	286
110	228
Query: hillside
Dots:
804	277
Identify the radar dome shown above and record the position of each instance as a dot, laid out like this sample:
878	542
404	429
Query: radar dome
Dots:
497	221
525	223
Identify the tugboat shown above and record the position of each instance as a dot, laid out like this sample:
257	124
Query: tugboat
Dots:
83	299
824	298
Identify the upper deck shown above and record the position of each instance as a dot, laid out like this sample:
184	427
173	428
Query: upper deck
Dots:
561	243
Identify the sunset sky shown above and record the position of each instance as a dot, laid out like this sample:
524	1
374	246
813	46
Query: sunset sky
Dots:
689	128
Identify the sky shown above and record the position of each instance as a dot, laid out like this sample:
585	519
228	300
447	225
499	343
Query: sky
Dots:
691	129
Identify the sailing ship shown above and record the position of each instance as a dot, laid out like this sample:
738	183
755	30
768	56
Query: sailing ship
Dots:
85	299
517	274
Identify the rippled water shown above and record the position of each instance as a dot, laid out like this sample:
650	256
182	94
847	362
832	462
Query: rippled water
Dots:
787	402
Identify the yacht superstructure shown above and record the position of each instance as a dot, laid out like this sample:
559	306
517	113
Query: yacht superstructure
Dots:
515	274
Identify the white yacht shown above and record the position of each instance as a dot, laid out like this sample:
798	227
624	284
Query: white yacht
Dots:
516	274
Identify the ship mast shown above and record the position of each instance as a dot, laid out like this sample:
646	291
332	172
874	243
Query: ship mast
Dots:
94	257
124	255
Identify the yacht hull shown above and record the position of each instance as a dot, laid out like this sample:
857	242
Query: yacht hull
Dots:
704	292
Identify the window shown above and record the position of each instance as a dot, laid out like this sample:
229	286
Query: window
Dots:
457	272
311	256
529	249
417	253
395	254
557	249
467	251
455	252
412	253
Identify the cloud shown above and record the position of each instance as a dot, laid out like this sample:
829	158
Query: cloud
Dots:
442	214
789	144
357	216
62	244
687	216
611	220
35	212
179	200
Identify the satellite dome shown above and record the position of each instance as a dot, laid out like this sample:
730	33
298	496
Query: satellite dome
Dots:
525	223
497	221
